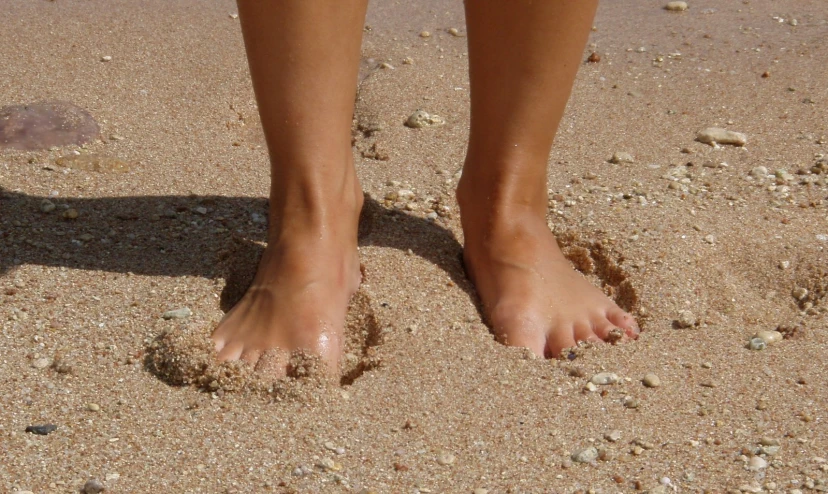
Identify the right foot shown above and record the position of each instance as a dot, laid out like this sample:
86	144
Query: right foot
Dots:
299	297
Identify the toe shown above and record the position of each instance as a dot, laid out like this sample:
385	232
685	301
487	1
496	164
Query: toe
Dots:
273	364
230	351
558	339
602	328
516	327
624	321
584	331
251	356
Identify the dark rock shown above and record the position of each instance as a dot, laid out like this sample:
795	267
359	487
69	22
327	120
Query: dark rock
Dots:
41	430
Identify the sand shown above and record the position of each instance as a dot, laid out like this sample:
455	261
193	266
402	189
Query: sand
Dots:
703	245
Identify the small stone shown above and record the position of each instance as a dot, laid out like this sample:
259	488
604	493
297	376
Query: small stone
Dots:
784	264
769	337
92	486
586	455
328	465
41	430
710	239
651	381
71	214
234	16
420	119
799	293
41	363
613	436
757	344
591	387
181	313
594	58
106	58
759	172
604	378
716	135
621	157
453	31
630	402
676	6
47	206
768	441
445	458
605	455
757	463
425	34
93	407
686	319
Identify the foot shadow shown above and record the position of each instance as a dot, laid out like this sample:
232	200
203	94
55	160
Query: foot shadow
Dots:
206	236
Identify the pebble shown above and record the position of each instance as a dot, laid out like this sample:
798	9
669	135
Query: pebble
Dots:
445	458
710	239
328	465
768	441
613	436
47	206
769	337
757	463
453	31
93	407
757	344
716	135
71	214
604	378
759	172
420	119
676	6
425	34
651	381
181	313
686	319
41	363
799	293
106	58
630	402
586	455
41	430
92	486
621	157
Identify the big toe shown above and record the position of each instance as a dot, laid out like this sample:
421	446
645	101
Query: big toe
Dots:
515	325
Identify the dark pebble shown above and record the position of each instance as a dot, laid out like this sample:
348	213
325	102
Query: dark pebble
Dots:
41	430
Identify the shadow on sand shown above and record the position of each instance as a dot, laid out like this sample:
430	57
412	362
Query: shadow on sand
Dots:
205	236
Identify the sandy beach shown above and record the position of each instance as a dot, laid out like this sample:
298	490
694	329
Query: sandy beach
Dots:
119	255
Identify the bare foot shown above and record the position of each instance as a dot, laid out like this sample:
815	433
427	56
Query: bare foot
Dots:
531	294
299	297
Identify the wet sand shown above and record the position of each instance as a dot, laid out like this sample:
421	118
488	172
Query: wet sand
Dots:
707	245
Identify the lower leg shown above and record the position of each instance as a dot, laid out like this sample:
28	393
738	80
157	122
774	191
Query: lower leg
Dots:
304	58
523	58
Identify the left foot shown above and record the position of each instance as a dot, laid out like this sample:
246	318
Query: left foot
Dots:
531	294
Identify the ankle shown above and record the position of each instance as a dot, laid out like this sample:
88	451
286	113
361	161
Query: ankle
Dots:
322	214
494	210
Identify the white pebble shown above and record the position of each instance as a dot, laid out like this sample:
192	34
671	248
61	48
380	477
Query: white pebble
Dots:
181	313
106	58
604	378
716	135
676	6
